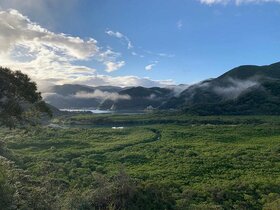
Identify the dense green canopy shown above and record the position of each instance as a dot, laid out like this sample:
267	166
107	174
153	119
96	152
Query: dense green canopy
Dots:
20	102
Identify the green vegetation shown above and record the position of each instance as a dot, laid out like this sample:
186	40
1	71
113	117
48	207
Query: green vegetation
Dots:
20	103
158	161
245	90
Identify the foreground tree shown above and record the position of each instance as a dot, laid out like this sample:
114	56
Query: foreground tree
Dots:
20	102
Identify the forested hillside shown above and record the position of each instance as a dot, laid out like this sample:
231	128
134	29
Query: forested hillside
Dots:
243	90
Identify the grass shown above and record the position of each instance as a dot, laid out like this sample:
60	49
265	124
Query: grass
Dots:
205	162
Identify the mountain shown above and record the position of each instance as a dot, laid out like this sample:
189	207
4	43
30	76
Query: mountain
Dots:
108	97
139	98
262	100
78	96
242	90
249	71
70	89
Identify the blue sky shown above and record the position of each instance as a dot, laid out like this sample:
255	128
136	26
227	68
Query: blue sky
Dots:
180	40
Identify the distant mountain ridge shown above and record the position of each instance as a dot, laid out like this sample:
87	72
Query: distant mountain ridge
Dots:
139	98
246	89
107	97
248	71
232	92
65	96
71	89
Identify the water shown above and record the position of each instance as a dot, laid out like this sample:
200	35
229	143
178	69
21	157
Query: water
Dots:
98	111
95	111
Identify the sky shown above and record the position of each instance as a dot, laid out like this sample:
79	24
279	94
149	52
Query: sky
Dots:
133	42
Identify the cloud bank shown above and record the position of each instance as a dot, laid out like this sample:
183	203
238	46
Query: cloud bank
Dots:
51	58
102	95
235	88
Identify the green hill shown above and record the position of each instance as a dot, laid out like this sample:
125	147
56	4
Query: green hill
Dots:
242	90
248	71
65	96
140	98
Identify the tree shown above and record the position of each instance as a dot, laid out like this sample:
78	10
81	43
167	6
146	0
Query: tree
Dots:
20	102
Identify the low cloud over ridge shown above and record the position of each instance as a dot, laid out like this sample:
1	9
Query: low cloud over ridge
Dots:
235	88
103	95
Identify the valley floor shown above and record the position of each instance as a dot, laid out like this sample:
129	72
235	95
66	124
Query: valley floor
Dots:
187	162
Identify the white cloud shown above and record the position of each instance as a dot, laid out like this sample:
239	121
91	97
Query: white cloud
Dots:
237	2
179	24
127	41
18	30
120	36
149	67
235	87
166	55
42	8
103	95
113	66
159	54
123	81
50	58
115	34
40	53
109	54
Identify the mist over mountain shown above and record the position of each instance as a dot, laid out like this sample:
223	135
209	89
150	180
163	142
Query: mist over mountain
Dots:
139	98
108	97
79	96
238	91
243	90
